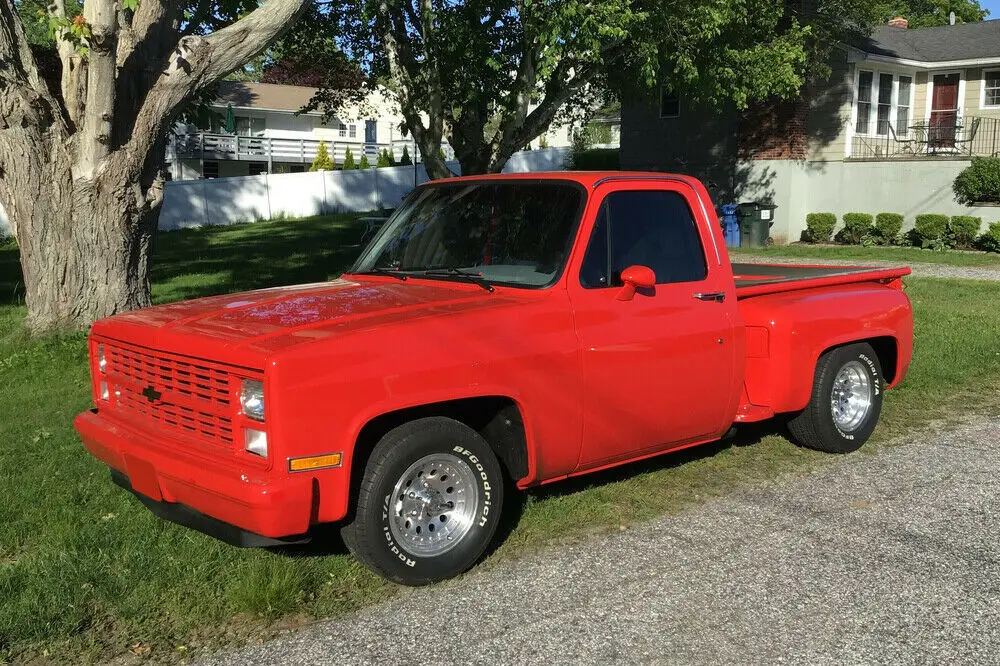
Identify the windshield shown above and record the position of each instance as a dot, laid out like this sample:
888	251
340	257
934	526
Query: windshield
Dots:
515	233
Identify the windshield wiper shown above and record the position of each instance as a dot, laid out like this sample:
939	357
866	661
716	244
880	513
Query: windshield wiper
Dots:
468	276
391	272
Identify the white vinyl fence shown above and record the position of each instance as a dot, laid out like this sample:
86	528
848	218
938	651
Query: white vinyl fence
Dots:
195	203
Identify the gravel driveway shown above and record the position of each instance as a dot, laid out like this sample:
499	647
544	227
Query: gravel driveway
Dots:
892	558
921	270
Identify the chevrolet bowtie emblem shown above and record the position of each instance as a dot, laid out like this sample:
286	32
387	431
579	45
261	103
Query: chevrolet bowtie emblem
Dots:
151	394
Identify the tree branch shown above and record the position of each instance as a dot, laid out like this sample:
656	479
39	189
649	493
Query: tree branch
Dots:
74	68
94	143
150	16
198	62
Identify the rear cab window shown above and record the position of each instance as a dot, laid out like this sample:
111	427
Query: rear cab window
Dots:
652	228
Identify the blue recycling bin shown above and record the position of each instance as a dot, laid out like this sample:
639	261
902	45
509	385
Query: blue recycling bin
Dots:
731	225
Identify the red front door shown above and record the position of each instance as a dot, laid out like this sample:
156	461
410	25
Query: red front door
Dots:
658	367
944	111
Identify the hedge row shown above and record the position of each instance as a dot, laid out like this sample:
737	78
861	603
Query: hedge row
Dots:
929	231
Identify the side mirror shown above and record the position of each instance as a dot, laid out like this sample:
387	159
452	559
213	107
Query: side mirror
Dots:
635	278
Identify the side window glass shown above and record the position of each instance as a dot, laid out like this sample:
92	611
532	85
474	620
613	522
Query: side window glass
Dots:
594	272
656	230
646	228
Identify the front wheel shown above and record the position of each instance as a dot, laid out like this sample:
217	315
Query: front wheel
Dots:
428	504
846	401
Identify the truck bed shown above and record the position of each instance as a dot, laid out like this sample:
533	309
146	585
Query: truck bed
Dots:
757	279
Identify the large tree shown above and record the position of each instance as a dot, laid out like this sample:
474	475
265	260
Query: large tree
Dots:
81	164
491	75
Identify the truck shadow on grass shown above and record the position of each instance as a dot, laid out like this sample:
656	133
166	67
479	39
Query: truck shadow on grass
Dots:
326	540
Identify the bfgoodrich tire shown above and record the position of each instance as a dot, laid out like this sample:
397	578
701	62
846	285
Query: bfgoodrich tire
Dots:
846	401
429	502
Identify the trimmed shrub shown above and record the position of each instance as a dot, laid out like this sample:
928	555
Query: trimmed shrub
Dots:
979	182
364	163
594	159
405	159
383	159
392	158
990	240
963	230
322	161
349	161
856	227
929	230
887	228
819	226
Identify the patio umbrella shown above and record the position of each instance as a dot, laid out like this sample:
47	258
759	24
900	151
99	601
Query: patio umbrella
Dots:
230	126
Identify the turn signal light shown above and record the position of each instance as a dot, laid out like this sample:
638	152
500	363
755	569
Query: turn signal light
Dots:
314	462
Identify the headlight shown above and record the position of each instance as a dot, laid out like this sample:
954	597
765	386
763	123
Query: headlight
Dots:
102	363
252	399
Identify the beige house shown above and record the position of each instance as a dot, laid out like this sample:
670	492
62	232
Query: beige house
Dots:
933	90
901	115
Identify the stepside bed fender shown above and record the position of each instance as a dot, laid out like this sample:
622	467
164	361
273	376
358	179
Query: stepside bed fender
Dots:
788	332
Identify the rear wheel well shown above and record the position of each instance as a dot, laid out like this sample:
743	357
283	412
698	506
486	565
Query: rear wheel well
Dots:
496	418
887	351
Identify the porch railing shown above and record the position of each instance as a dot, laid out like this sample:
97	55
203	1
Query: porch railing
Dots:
211	146
973	136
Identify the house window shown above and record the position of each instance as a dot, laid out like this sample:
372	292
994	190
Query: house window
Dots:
903	106
341	129
210	169
991	88
883	104
352	130
371	131
864	102
670	103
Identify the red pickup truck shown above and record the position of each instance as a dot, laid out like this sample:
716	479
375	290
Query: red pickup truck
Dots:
498	332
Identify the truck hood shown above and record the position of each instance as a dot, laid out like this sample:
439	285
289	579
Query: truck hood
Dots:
240	328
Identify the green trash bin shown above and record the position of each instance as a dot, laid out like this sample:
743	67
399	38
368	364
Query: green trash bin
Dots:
756	218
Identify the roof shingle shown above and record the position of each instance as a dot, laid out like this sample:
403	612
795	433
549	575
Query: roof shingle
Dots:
963	41
263	95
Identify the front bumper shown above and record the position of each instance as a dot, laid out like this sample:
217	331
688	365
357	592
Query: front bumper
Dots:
217	498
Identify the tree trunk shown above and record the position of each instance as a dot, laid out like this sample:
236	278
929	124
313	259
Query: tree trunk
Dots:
85	247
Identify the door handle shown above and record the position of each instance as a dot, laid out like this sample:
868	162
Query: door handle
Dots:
717	296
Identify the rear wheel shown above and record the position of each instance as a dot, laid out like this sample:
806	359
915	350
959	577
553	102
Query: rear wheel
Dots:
846	401
428	504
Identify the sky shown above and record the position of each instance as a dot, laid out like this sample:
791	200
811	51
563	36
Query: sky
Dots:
993	6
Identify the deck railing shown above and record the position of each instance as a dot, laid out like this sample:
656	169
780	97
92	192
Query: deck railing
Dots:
973	136
211	146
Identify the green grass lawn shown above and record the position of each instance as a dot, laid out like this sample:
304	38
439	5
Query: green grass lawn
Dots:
906	254
87	573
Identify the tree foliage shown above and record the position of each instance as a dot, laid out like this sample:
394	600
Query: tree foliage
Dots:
322	161
349	163
929	13
489	76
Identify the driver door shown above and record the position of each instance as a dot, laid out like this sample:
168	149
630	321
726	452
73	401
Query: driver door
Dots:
657	367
